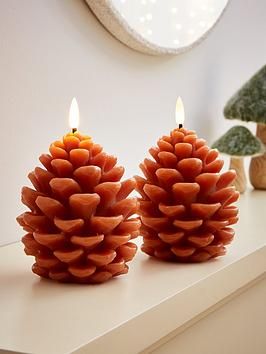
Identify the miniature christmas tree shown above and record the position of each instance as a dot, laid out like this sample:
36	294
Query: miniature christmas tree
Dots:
249	104
239	142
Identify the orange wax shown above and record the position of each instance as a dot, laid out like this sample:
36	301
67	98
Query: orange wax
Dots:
186	203
80	220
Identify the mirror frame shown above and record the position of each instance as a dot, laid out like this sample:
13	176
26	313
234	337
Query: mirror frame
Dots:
114	22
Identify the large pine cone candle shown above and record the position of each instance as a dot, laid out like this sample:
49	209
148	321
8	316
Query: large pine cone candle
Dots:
185	204
79	222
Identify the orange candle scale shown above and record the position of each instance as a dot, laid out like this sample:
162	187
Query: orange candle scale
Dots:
79	224
186	203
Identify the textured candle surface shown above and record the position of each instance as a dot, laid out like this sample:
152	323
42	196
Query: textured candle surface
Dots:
79	224
186	204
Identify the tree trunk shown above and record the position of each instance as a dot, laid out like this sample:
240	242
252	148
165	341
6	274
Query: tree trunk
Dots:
240	182
257	168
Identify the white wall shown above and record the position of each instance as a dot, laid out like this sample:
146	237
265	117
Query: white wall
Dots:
52	50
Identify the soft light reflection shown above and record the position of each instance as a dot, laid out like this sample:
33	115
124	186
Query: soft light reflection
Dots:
159	20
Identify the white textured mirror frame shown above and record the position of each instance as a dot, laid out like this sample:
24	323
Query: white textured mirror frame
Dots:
159	26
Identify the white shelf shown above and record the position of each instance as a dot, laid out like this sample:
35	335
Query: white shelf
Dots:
130	313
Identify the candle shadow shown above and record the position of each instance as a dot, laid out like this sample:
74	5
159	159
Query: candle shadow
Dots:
13	280
47	288
152	265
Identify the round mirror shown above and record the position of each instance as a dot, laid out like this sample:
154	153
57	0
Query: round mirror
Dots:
158	26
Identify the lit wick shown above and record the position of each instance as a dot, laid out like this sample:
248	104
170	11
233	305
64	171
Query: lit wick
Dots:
179	113
74	115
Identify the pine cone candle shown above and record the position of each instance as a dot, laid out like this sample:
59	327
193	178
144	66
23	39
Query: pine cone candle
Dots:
185	204
79	226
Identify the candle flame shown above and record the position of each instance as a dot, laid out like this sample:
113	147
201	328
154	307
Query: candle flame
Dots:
179	112
74	114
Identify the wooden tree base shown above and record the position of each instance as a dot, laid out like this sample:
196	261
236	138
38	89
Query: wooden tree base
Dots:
257	168
257	172
241	181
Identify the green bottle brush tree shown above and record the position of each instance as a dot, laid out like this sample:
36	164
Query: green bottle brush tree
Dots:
239	142
249	104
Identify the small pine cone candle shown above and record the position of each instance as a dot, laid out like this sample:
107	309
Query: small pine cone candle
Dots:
79	224
185	204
